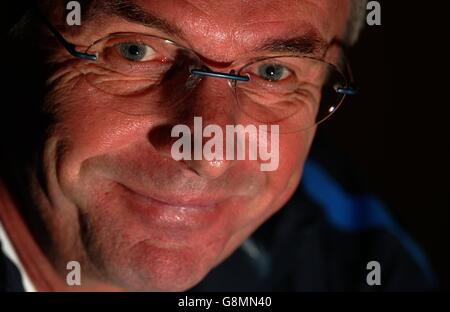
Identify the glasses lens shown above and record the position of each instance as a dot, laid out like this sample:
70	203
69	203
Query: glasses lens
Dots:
130	65
295	93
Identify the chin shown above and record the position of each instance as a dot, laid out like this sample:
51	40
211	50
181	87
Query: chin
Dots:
151	268
139	237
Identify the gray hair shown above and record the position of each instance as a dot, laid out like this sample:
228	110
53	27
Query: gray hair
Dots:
356	21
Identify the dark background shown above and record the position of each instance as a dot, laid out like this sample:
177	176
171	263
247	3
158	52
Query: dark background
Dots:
395	131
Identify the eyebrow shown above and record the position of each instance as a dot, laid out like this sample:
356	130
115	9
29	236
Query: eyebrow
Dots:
131	12
309	43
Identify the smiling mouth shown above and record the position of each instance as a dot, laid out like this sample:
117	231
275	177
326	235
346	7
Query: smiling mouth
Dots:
179	201
186	214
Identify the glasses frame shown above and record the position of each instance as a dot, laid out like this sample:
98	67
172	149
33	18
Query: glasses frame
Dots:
348	90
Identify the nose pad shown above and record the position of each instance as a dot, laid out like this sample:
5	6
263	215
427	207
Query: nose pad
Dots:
194	80
232	84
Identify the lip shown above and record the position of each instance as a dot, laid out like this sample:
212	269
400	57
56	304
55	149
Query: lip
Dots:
174	213
180	201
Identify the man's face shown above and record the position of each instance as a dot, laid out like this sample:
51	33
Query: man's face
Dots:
116	200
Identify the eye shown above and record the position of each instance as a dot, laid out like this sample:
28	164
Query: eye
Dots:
273	72
136	52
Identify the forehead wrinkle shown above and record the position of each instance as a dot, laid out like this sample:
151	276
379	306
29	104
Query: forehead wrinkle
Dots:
131	12
210	29
306	40
251	29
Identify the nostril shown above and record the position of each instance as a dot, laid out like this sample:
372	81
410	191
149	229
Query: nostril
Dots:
161	139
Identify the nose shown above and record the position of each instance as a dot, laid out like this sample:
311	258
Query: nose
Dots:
205	112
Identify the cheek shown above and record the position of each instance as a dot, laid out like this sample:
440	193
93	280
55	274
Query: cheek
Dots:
86	126
294	150
282	183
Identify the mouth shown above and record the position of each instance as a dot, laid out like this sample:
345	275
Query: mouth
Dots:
179	212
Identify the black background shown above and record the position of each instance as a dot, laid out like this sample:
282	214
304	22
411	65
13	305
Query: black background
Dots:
396	129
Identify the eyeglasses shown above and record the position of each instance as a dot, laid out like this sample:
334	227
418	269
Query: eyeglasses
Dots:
292	91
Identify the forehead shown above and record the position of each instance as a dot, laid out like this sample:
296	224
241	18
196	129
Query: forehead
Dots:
233	25
222	19
225	29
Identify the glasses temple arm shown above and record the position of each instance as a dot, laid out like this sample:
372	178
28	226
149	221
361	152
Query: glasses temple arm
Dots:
67	45
350	89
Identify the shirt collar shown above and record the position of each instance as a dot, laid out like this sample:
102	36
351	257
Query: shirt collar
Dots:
10	252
